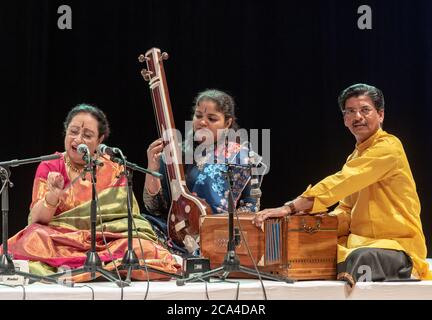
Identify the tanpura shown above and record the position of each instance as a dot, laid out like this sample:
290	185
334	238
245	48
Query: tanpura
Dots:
186	210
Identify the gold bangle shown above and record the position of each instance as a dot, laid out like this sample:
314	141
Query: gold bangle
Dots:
49	205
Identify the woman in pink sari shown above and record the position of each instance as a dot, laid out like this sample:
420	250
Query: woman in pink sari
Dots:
58	234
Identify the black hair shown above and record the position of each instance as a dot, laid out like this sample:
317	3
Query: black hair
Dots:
224	102
360	89
98	114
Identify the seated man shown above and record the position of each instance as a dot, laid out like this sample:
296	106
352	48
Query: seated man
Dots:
380	232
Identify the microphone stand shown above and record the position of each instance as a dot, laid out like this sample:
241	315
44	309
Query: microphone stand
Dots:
7	266
231	261
93	262
130	259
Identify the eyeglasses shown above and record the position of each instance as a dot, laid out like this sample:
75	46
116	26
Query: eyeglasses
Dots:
364	111
86	135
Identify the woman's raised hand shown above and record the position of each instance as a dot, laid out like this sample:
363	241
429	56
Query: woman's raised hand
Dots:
154	153
55	184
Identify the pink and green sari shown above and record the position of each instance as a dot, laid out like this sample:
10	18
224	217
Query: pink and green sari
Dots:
65	241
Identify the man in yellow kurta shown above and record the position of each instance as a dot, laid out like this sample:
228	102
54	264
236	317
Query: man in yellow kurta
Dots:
378	210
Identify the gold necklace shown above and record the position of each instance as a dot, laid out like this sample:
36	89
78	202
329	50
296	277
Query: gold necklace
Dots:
70	166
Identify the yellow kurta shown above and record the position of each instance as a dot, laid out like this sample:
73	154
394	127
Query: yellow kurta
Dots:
380	206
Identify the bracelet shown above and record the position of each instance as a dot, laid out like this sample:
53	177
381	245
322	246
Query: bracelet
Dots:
290	204
49	205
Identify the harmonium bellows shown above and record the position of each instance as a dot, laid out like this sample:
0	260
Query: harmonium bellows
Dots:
301	247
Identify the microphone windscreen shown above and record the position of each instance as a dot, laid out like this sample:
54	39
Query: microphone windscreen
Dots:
83	149
101	149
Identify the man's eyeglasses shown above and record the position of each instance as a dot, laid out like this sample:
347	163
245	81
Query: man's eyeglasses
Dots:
364	111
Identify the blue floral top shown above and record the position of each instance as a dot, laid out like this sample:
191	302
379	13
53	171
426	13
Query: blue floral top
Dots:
208	180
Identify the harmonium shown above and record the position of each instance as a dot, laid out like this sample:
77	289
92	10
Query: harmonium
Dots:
300	247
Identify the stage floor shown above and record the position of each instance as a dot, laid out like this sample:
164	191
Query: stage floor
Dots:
249	289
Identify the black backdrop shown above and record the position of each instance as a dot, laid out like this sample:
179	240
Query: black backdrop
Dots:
284	62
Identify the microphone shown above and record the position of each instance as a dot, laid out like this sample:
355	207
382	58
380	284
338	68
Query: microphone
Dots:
255	161
112	152
116	155
255	191
84	150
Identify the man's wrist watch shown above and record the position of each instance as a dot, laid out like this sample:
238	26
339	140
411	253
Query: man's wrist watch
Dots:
291	206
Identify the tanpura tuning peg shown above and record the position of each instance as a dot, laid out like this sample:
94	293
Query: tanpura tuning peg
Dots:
164	56
142	58
146	74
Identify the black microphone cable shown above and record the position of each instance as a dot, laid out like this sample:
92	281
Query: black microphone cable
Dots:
249	251
136	231
251	256
108	249
239	225
86	285
139	239
15	286
99	214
